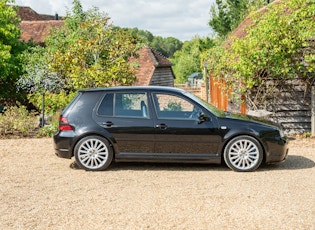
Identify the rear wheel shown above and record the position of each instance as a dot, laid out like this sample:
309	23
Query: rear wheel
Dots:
93	153
243	154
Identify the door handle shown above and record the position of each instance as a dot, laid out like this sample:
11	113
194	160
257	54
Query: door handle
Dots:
108	123
161	126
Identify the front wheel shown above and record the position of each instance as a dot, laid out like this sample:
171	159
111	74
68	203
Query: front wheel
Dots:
243	154
93	153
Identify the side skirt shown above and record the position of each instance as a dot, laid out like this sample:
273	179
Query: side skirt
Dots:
167	157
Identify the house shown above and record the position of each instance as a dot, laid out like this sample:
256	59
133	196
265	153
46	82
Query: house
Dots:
153	68
290	103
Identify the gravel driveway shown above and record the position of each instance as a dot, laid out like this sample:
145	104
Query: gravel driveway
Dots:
41	191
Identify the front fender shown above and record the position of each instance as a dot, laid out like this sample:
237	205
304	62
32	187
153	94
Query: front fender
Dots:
232	133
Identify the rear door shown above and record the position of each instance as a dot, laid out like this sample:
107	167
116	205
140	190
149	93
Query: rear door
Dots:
126	116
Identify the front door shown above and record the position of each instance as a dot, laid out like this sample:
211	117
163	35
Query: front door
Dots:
178	129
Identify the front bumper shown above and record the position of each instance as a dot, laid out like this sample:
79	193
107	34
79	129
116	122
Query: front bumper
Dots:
278	151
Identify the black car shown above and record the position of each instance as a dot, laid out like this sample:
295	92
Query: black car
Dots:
161	124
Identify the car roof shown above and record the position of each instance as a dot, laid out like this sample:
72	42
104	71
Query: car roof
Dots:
122	88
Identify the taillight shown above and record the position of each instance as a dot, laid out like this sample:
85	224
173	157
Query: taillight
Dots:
64	124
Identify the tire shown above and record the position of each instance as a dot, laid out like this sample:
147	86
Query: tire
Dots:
243	154
93	153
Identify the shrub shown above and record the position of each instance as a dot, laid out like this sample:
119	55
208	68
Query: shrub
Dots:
49	130
17	120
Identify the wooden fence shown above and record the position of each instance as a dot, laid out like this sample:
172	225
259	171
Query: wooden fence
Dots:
294	108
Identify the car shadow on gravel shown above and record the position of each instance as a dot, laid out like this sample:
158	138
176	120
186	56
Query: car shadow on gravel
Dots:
293	162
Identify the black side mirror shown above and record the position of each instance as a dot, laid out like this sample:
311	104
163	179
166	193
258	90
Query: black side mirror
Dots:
202	118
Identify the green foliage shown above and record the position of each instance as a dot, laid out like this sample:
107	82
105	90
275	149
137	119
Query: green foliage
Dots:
38	76
87	52
50	129
276	47
307	135
226	15
11	49
17	120
53	101
166	46
188	60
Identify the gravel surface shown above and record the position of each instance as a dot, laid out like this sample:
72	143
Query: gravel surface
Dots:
41	191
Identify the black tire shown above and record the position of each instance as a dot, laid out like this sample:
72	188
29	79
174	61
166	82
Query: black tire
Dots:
93	153
243	154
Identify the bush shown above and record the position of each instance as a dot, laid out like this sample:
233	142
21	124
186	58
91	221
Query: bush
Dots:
17	120
49	130
53	102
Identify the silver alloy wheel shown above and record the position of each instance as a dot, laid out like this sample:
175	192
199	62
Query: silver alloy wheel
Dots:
243	154
92	153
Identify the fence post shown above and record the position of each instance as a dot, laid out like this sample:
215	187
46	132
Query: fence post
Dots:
313	111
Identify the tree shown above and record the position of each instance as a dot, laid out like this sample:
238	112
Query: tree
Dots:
10	52
277	47
226	15
38	78
188	59
166	46
87	52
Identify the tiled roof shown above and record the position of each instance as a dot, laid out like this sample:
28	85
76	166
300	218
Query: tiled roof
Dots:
161	61
36	26
28	14
149	59
38	30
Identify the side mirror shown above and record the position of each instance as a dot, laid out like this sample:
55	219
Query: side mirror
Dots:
202	118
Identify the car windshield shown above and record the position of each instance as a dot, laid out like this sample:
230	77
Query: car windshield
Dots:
208	106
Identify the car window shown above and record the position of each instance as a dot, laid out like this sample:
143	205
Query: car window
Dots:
106	106
174	107
131	105
124	105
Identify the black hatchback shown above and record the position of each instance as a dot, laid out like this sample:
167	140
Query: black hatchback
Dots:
161	124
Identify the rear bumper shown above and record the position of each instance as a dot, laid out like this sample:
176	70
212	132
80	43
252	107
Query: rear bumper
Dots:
63	144
63	153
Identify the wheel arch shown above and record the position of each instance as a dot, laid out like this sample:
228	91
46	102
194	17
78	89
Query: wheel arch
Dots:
107	136
228	138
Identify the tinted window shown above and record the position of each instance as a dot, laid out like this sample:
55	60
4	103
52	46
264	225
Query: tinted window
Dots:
131	105
106	106
171	106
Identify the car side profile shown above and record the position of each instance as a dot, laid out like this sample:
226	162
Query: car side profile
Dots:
161	124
